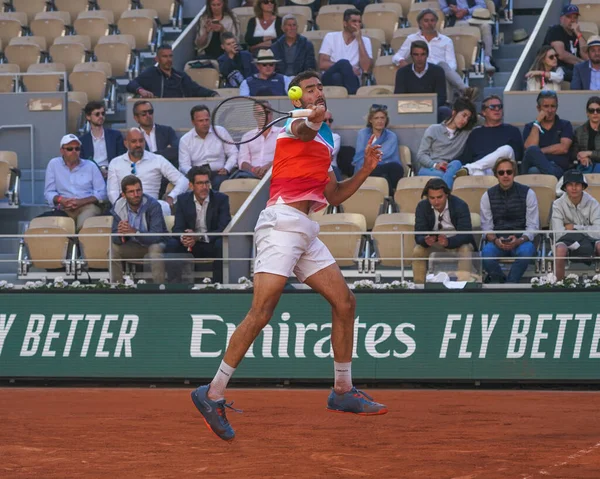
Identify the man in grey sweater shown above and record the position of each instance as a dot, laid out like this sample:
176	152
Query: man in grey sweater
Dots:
578	214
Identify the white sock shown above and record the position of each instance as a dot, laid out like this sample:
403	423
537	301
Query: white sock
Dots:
343	376
219	383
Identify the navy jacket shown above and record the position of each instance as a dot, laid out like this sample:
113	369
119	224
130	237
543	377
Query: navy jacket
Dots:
582	76
178	85
228	65
218	214
114	144
305	55
426	220
167	143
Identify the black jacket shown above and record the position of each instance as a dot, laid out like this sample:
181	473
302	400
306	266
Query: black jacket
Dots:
178	85
218	214
305	55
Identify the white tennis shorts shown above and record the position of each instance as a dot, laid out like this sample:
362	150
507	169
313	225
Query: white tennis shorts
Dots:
286	243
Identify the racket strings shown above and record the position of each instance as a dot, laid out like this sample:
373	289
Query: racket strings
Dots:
241	117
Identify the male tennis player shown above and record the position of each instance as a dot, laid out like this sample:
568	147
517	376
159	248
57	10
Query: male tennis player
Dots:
286	242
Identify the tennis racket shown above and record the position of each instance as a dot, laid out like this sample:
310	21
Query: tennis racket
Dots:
245	119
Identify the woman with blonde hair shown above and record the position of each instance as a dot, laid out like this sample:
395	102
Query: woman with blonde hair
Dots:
265	27
545	74
216	19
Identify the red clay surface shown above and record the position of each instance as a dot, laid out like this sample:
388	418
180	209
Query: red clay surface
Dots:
157	433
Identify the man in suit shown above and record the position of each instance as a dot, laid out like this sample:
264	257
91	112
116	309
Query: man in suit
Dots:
201	210
447	215
586	75
100	144
160	139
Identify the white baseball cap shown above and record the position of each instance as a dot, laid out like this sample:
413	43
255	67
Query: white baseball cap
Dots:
68	139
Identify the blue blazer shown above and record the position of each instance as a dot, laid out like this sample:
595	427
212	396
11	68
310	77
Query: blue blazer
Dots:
218	214
167	143
582	76
114	144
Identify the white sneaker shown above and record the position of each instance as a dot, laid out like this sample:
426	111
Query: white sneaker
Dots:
488	67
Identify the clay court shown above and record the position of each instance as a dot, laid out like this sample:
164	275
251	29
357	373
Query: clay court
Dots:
157	433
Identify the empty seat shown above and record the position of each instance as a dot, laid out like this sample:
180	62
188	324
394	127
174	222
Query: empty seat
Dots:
29	7
389	246
316	37
11	175
406	159
4	178
377	38
7	82
405	4
302	13
227	92
49	252
165	9
91	78
471	189
331	17
115	50
118	7
415	8
84	40
69	54
544	187
50	25
335	92
384	16
95	24
400	37
50	81
140	24
384	71
76	103
24	51
343	247
238	190
73	7
11	26
465	39
207	77
408	192
590	10
170	222
372	90
588	29
94	249
243	14
368	199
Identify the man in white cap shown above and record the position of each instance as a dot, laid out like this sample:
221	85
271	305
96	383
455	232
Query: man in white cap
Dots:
586	75
74	185
266	82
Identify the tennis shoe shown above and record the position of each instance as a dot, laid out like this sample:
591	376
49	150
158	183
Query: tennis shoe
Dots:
355	401
213	413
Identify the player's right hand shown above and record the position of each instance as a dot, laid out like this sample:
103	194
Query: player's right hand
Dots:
318	113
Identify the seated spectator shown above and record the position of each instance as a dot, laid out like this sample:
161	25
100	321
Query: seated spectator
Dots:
547	139
423	77
491	141
577	214
74	185
100	144
160	139
586	140
545	74
201	210
337	143
256	156
444	142
265	27
135	212
150	168
508	206
266	82
344	56
389	166
567	40
441	49
200	146
460	12
586	75
447	214
163	81
295	53
234	64
216	19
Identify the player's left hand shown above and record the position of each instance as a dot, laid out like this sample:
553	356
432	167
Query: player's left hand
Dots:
372	155
318	114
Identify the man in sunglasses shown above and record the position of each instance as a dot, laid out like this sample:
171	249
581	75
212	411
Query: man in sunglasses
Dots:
508	206
266	82
74	185
160	139
586	75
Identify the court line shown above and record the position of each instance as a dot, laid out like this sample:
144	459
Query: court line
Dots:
582	452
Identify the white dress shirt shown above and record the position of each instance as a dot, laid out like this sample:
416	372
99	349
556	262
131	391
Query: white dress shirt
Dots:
441	49
201	210
196	151
100	154
337	142
150	138
261	151
335	46
446	221
150	170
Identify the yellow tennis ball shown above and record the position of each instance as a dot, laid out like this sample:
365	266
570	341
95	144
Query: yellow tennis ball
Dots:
295	93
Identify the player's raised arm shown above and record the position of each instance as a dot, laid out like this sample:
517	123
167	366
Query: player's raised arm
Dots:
308	129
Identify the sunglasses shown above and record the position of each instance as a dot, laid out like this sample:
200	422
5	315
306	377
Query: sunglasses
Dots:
133	172
330	121
497	107
375	106
269	1
100	113
146	112
439	226
71	148
593	110
504	172
267	64
551	57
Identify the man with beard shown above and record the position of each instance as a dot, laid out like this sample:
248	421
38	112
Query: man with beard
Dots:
286	242
100	144
586	75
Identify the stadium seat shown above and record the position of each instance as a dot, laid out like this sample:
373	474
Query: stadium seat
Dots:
406	160
590	10
238	190
593	188
331	17
25	51
116	50
4	178
372	90
73	7
466	39
13	177
335	92
84	40
377	37
50	25
344	248
405	4
91	78
207	77
243	14
94	249
49	252
383	16
384	71
140	24
165	9
11	26
471	189
170	222
302	13
544	187
118	7
415	8
29	7
76	103
7	83
368	199
408	192
69	54
390	246
51	81
316	37
400	37
227	92
588	29
94	23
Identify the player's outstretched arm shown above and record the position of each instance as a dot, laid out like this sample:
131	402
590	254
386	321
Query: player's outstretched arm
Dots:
338	192
307	130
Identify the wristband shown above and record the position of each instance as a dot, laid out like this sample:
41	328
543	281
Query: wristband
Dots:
539	127
313	126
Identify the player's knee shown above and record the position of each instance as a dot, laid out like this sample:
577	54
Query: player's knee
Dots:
261	315
346	305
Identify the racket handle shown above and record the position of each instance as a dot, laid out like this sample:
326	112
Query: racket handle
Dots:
300	113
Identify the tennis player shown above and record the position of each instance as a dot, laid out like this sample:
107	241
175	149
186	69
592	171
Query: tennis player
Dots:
286	242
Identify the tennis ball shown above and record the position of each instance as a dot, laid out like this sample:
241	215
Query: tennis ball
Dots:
295	93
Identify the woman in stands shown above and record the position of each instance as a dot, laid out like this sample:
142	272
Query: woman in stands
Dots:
586	140
389	166
545	74
216	19
445	142
265	27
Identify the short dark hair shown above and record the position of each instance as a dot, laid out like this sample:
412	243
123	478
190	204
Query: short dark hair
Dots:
198	170
546	94
305	75
196	109
435	184
164	46
129	180
226	36
93	105
350	12
419	44
489	98
139	103
592	99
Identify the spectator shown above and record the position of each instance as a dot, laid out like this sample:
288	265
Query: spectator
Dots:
234	64
493	140
508	206
567	40
163	81
150	168
216	20
100	144
586	140
346	55
200	146
468	12
265	27
447	214
74	185
578	215
160	139
266	82
294	52
545	74
201	210
441	49
337	143
547	139
389	166
586	75
445	142
135	212
423	77
256	157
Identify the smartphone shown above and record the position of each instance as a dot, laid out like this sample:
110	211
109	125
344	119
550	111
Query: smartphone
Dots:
443	167
214	21
505	240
